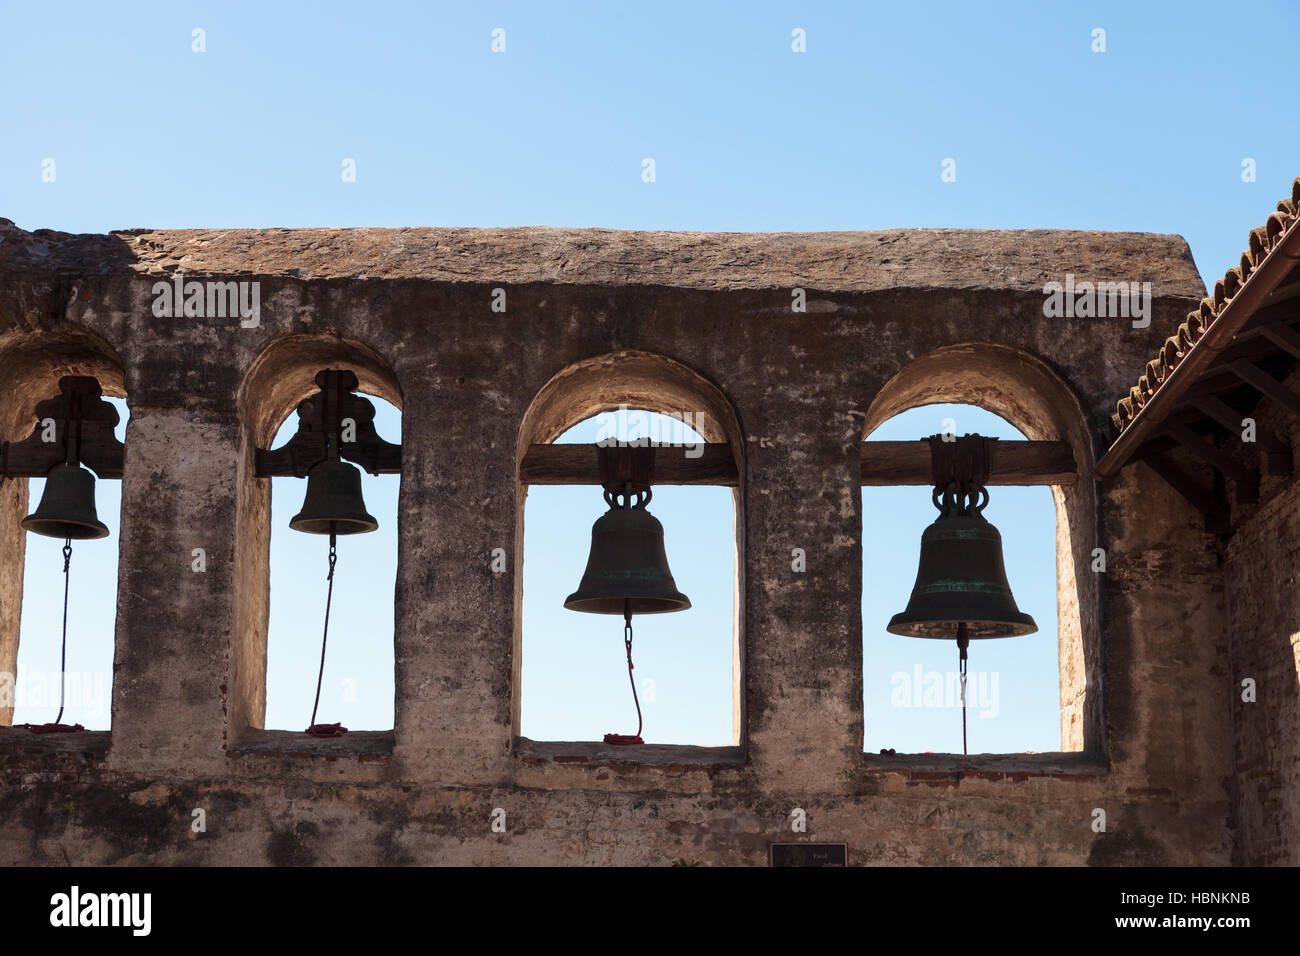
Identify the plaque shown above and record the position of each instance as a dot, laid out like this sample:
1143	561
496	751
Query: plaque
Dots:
807	854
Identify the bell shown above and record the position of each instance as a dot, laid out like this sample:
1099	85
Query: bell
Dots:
961	580
333	502
627	569
67	508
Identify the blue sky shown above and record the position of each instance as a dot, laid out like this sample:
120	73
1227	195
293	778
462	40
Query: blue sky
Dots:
745	135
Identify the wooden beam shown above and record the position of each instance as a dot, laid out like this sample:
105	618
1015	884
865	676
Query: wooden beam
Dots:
712	464
95	442
323	414
1214	514
1283	336
100	451
1276	452
1247	479
1278	307
1266	384
1014	463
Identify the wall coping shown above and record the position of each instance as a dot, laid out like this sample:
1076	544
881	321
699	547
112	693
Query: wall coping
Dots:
868	261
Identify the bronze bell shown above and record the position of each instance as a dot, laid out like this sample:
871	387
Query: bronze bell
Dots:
333	503
627	569
67	508
961	588
961	580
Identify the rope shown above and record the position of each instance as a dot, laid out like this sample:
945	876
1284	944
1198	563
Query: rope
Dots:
59	727
962	643
625	739
315	729
63	653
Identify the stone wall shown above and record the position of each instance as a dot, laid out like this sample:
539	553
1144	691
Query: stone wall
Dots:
952	315
1262	570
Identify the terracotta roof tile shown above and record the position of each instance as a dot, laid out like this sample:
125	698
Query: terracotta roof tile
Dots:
1261	241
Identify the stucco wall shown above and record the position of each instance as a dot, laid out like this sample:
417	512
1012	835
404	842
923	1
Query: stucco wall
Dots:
410	310
1262	567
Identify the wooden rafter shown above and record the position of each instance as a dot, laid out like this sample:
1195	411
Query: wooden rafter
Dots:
1215	515
1283	336
1276	268
1266	385
1276	452
1247	479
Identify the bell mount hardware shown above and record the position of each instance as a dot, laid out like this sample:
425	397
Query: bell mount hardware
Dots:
323	414
83	427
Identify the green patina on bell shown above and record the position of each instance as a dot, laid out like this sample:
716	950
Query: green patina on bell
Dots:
627	568
961	579
961	582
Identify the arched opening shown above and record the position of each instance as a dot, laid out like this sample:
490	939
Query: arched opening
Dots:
911	689
1023	391
570	672
574	672
33	674
84	682
357	686
359	672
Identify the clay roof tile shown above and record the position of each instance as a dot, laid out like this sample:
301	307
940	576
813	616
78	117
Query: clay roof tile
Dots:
1262	239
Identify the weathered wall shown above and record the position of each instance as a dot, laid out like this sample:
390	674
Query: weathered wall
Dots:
410	310
1262	570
